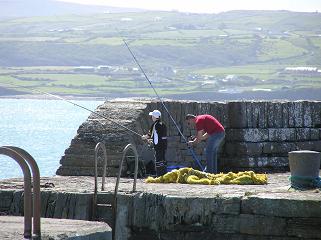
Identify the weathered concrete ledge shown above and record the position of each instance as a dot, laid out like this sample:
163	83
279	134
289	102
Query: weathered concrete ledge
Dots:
181	211
56	229
259	135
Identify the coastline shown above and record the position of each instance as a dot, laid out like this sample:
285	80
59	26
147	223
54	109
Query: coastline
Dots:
46	97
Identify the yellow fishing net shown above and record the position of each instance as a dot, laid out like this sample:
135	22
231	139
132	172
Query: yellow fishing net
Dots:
191	176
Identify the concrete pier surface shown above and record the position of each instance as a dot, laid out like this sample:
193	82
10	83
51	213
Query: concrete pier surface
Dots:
56	229
180	211
278	185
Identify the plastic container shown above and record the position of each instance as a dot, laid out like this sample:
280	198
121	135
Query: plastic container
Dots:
170	168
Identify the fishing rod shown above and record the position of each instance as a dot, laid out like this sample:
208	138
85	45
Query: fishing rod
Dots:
75	104
150	83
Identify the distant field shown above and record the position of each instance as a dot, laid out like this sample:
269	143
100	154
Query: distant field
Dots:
181	53
278	49
237	78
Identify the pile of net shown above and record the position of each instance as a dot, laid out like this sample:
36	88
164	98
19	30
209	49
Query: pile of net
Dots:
191	176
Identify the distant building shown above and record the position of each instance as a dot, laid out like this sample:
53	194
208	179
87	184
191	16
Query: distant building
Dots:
104	69
126	19
84	69
312	71
301	69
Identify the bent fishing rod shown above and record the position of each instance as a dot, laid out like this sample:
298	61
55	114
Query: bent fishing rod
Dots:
75	104
150	83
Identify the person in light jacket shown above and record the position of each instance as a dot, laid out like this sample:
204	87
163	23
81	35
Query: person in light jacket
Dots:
158	136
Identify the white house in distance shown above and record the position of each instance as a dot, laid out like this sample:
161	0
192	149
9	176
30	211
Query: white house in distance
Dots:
84	69
301	69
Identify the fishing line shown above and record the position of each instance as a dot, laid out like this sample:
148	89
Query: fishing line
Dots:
75	104
150	83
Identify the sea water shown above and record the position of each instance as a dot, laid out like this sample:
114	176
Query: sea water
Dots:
42	127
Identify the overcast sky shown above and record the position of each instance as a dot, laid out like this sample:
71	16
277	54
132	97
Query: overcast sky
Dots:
210	6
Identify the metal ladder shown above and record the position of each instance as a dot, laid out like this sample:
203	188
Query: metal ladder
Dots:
107	211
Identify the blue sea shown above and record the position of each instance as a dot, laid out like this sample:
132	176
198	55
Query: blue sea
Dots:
42	127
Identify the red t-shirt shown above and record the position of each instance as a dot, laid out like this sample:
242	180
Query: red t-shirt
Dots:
208	123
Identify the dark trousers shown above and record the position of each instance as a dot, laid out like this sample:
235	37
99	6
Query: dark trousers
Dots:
160	162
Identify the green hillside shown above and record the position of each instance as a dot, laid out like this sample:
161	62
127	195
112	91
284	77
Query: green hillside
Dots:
180	52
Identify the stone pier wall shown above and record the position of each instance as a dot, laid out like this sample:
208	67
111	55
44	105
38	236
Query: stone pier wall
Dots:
259	135
53	204
272	216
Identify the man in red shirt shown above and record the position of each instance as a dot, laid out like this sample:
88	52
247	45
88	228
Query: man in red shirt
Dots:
210	129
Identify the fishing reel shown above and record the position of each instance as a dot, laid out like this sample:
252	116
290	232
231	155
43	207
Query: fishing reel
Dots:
191	138
148	140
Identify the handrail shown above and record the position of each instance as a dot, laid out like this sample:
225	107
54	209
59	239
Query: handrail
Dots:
101	146
129	146
27	187
36	187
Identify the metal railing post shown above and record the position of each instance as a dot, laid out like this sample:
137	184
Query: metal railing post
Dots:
36	187
99	146
132	147
27	188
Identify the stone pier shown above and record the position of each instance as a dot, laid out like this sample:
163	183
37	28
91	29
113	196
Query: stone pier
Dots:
181	211
259	135
56	229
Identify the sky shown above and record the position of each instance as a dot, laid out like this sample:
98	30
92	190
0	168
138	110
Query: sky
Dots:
210	6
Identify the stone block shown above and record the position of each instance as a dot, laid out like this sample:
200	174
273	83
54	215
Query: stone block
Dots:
282	134
16	208
61	207
44	202
51	205
220	112
243	148
315	134
249	111
303	134
226	223
307	114
298	113
310	145
247	135
229	206
274	114
198	211
262	225
259	116
83	206
151	211
6	200
273	162
237	115
72	205
238	162
304	228
254	162
316	114
278	148
280	206
285	115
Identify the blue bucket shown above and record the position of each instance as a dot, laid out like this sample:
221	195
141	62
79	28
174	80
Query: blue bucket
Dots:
170	168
